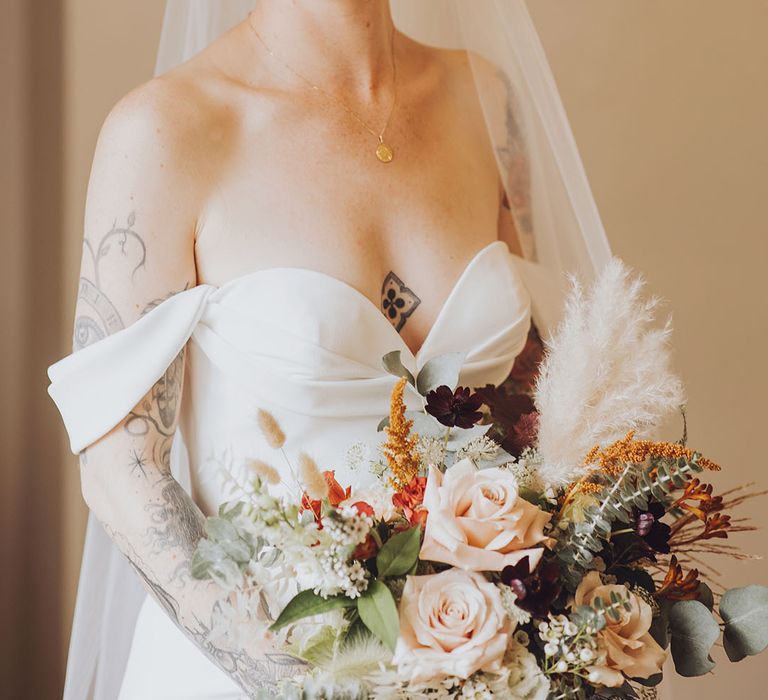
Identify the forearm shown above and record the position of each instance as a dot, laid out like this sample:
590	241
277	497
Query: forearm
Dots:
128	485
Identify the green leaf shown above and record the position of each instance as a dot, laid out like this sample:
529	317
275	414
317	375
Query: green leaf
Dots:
225	534
651	681
745	613
308	603
660	625
378	612
694	630
399	553
623	693
443	369
706	596
394	365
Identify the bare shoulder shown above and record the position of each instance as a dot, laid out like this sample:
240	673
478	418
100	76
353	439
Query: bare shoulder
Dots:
165	120
460	71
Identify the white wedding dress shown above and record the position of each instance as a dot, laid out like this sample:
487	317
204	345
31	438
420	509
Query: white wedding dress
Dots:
301	344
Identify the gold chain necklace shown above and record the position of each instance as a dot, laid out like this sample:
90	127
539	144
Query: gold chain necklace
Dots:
384	152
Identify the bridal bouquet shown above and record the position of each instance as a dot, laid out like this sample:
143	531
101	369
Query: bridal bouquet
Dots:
528	542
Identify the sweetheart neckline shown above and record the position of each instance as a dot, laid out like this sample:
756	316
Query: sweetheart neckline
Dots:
367	303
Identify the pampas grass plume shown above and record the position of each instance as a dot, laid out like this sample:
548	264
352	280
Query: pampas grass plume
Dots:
270	428
607	371
312	478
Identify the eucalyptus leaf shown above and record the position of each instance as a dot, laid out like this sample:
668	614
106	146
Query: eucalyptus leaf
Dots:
660	625
443	369
706	596
623	691
308	603
423	424
651	681
694	630
378	611
399	553
393	363
458	437
225	534
745	613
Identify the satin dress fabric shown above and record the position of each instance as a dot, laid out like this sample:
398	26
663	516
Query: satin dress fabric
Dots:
301	344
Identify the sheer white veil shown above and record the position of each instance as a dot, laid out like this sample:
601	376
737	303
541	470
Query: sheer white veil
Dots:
557	214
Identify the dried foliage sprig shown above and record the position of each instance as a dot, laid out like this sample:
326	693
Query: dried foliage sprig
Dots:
619	496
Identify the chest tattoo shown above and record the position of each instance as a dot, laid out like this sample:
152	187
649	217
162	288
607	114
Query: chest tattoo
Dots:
398	302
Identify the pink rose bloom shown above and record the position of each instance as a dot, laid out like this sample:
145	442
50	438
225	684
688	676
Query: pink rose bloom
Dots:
629	648
477	520
451	624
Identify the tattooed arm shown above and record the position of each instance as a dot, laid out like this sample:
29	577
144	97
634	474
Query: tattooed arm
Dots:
139	249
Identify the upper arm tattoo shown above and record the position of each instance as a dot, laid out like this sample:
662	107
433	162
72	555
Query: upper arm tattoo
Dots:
515	163
97	316
398	302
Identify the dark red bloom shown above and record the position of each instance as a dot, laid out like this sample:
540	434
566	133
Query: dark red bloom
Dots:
648	525
454	408
513	415
366	549
535	590
410	500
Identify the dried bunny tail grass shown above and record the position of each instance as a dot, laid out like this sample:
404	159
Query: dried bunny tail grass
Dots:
607	371
265	472
271	429
312	478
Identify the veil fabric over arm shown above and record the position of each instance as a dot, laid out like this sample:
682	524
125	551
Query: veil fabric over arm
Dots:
555	212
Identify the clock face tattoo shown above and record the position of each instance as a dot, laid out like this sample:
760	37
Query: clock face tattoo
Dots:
398	302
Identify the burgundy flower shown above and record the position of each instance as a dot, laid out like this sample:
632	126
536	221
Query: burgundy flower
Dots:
514	415
648	525
454	408
535	590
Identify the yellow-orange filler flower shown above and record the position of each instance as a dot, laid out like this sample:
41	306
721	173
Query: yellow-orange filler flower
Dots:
400	446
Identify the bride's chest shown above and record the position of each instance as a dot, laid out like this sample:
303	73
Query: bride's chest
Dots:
311	193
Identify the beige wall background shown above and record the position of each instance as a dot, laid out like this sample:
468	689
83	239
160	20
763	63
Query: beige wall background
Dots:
669	107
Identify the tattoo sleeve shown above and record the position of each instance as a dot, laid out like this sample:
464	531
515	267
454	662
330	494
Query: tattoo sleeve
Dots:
515	163
127	476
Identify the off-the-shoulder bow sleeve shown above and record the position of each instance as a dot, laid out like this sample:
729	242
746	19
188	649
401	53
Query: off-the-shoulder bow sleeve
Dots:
97	387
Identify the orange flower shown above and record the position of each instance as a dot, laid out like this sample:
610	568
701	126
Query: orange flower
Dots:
678	585
336	494
410	500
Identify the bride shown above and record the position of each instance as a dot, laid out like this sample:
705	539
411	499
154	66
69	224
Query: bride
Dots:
311	190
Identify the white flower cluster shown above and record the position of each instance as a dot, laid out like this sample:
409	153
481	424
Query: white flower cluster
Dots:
431	450
569	648
343	530
520	679
509	601
526	469
478	449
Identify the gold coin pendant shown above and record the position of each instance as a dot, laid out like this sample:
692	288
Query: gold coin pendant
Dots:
384	152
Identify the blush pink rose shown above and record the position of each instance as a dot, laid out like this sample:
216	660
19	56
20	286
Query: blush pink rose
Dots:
477	520
629	647
451	624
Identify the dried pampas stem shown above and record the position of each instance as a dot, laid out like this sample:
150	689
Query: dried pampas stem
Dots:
607	371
